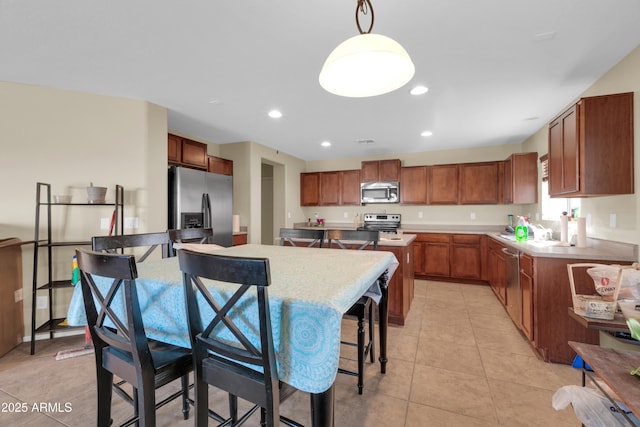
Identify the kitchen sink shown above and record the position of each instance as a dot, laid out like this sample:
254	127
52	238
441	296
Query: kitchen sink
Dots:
536	243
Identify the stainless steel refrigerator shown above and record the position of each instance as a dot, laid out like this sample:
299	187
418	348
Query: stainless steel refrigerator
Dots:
201	199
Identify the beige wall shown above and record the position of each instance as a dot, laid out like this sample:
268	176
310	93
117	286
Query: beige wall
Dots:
70	139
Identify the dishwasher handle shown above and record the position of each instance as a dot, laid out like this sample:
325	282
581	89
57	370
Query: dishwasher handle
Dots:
511	254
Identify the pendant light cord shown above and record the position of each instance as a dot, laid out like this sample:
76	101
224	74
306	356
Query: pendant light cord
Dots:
364	7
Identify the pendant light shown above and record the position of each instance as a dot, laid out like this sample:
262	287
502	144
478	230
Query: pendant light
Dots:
367	64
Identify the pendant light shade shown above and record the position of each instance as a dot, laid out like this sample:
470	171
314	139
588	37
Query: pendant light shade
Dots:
367	64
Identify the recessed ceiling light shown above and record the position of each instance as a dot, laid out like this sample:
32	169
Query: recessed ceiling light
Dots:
275	114
419	90
426	133
325	144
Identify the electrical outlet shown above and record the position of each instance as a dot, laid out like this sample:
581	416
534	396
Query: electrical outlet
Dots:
420	215
289	215
42	302
473	215
613	220
346	215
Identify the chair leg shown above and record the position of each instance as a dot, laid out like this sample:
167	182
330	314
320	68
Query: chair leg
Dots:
372	345
185	396
201	399
361	351
105	381
263	417
147	402
233	408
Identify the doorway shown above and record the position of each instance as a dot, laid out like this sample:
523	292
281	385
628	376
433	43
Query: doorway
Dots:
272	204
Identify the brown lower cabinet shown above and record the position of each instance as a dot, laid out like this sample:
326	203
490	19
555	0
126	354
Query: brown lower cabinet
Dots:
545	295
239	239
450	256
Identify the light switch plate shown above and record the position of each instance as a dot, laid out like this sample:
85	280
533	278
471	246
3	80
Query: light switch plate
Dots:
42	302
613	220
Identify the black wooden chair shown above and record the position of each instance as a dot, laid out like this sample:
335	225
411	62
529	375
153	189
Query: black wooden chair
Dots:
117	244
189	235
361	239
228	359
287	235
120	343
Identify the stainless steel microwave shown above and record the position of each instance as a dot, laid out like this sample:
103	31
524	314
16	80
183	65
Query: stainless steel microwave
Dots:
379	192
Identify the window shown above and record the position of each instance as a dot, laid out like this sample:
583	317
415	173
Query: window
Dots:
552	208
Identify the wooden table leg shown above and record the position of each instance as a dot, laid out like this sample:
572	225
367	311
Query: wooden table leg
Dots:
322	408
383	308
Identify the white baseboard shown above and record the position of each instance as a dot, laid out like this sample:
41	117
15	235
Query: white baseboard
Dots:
56	334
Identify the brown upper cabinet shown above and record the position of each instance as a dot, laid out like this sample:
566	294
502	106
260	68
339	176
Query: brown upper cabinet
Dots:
442	185
219	165
480	183
334	188
591	148
310	189
380	170
520	178
193	154
413	187
185	152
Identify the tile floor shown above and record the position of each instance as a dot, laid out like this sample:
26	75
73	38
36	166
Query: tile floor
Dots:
458	361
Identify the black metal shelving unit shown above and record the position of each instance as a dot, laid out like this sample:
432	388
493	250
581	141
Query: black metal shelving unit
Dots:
44	241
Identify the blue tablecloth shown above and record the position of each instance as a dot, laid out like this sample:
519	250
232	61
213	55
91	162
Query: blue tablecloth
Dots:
311	289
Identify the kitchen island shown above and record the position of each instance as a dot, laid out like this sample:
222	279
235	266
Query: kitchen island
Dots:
401	285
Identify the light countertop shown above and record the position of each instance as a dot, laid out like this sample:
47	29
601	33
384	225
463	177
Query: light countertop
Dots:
597	249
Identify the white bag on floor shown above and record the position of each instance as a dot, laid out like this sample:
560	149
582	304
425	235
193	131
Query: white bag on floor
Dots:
591	407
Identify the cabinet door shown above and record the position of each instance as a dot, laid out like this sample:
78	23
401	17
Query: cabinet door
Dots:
310	189
194	153
432	254
174	149
507	181
218	165
563	154
350	187
329	188
479	183
526	294
442	185
521	181
370	171
413	185
239	239
389	170
466	257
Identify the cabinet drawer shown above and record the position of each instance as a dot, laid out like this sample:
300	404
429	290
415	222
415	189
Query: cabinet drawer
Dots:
433	238
467	239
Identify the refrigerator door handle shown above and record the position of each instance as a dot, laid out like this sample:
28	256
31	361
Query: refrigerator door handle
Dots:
206	210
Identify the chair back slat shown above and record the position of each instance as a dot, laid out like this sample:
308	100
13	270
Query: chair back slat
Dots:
364	238
287	235
223	334
126	331
115	244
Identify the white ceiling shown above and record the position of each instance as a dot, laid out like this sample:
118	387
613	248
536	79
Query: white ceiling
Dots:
220	66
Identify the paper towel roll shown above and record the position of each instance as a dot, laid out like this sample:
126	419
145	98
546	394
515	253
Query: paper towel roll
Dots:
581	239
236	223
564	229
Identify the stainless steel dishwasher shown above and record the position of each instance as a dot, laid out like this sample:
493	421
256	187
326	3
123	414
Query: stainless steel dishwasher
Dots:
514	304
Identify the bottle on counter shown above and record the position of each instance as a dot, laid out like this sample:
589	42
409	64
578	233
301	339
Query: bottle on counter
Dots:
522	229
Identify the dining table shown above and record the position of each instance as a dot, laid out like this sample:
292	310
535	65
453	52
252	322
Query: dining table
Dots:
311	289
